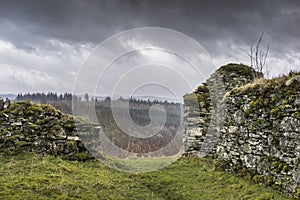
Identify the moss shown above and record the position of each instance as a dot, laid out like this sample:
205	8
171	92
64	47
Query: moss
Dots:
244	173
22	143
190	100
247	113
280	166
239	69
285	168
201	89
296	114
242	123
41	122
71	144
82	156
275	140
43	128
297	193
69	124
297	162
273	99
285	106
258	179
295	80
268	180
259	121
274	111
32	125
254	103
14	137
251	128
222	164
277	165
275	187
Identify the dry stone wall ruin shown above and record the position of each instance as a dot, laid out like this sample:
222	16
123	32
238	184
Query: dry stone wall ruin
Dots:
29	127
259	136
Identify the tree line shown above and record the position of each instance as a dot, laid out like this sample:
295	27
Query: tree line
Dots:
138	110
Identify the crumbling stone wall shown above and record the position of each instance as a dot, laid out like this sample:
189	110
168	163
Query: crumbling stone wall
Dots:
199	112
260	134
28	127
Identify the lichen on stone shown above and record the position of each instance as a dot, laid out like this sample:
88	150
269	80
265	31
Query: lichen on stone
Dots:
30	127
260	137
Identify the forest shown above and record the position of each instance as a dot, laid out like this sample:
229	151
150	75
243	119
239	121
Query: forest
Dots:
138	111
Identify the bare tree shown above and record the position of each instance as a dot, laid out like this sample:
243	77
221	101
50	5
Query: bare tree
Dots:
258	58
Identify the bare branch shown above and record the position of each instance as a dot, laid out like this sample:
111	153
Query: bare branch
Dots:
266	55
258	57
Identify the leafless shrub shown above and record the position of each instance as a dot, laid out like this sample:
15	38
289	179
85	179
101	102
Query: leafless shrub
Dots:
258	58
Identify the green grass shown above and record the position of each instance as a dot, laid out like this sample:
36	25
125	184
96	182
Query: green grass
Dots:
134	164
32	176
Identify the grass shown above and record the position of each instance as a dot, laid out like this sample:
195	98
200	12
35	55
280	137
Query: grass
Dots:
31	176
139	164
257	82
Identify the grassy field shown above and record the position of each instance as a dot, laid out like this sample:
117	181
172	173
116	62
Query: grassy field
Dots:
32	176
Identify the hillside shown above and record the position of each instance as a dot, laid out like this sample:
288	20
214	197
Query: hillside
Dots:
43	157
30	176
45	170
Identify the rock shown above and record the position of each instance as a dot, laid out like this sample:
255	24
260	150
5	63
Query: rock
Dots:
6	103
293	80
260	131
1	104
28	127
232	129
75	138
16	124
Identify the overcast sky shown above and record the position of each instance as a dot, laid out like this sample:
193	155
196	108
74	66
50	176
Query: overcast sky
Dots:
43	43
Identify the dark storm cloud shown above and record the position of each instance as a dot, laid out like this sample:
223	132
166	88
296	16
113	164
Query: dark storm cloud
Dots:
52	37
29	22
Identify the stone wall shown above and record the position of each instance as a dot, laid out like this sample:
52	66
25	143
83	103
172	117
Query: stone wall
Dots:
199	112
28	127
259	135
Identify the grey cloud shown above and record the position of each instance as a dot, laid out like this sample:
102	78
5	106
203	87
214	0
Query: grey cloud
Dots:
93	21
224	28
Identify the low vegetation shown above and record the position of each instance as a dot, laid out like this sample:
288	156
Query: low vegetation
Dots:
32	176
